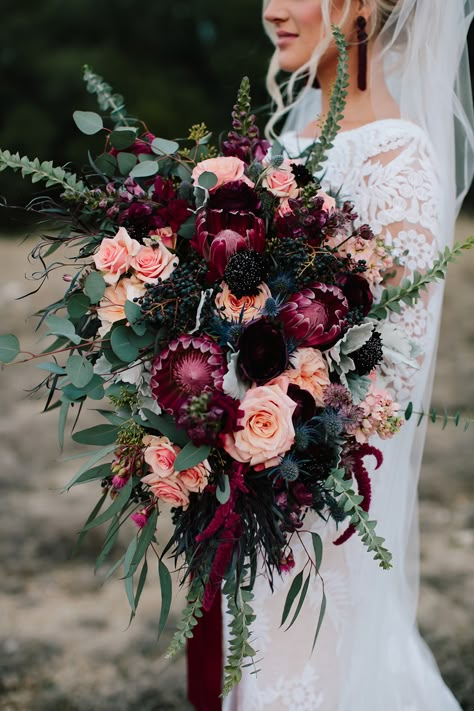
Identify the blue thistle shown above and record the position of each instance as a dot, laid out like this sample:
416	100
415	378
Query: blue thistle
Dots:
304	436
272	307
282	283
328	426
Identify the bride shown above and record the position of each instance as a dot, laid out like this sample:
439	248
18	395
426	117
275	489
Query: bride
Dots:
404	156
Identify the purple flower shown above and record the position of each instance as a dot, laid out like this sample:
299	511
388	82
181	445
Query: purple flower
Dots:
205	417
305	404
315	316
235	197
356	289
263	352
220	234
189	366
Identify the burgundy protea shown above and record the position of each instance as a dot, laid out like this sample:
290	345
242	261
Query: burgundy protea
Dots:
356	289
263	353
221	233
188	366
315	316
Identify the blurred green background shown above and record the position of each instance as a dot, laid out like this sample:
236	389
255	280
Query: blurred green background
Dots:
176	63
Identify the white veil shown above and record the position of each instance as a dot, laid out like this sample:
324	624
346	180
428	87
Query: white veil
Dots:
421	55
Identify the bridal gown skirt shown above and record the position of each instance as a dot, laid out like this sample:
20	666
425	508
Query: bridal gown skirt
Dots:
369	655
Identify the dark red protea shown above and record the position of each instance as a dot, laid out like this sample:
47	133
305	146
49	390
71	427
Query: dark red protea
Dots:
220	234
315	316
189	366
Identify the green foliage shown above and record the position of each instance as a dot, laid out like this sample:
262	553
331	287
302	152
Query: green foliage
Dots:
350	502
106	98
79	370
94	287
189	619
9	348
44	171
190	456
410	290
457	419
88	122
337	104
239	606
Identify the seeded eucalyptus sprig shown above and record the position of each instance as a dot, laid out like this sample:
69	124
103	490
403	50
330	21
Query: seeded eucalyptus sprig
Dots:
107	100
409	290
337	104
44	171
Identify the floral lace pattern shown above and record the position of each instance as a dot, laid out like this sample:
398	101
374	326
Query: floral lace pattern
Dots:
387	169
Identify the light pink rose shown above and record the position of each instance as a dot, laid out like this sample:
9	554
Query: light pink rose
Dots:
160	455
227	169
267	426
196	478
329	202
154	262
231	307
310	372
281	181
166	236
112	304
114	255
171	491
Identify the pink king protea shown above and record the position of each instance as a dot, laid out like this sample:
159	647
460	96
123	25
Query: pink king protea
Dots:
189	366
315	316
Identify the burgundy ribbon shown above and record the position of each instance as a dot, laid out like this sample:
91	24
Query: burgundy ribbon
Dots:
205	658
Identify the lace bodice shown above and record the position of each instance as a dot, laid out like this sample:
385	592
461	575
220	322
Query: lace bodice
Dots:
388	170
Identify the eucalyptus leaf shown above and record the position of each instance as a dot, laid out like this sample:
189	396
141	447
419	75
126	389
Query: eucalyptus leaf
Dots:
188	228
63	412
304	592
318	549
223	494
207	180
322	612
122	138
59	326
191	455
161	146
126	162
166	426
52	368
145	169
94	287
96	457
117	506
94	473
78	305
134	315
129	577
95	388
291	596
88	122
106	164
145	538
9	348
121	344
79	370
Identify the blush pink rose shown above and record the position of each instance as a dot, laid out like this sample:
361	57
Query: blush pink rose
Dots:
281	181
231	307
160	455
329	202
226	169
166	236
154	262
196	478
112	304
310	372
114	255
171	491
267	427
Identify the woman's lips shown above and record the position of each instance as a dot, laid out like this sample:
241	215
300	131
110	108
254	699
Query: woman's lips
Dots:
284	39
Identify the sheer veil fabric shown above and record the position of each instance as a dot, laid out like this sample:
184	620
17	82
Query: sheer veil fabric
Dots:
408	175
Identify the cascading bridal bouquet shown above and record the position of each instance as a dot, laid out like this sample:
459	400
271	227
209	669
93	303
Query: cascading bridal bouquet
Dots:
223	306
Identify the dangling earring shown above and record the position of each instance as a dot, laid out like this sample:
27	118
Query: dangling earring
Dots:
363	39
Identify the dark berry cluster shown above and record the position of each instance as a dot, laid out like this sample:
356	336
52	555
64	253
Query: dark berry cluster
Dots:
369	355
244	273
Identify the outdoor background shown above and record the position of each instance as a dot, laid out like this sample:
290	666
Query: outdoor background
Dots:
63	639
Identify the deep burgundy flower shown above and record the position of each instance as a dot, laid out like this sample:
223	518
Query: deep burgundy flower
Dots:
305	404
220	234
247	149
302	494
263	352
207	417
235	197
188	366
163	190
356	289
315	316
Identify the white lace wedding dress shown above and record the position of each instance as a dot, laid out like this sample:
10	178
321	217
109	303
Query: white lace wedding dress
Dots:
369	655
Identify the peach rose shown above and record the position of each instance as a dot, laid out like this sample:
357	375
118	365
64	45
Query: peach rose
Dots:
114	255
171	491
166	236
154	262
196	478
160	455
281	181
310	372
227	169
267	426
329	202
231	306
112	304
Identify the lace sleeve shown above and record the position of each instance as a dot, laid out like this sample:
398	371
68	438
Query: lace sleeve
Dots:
399	197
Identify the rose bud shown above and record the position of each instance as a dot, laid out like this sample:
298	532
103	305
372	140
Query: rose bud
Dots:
315	316
263	352
356	289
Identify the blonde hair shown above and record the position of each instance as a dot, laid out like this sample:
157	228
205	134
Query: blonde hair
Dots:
288	94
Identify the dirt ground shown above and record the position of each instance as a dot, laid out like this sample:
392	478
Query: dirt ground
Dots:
64	645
